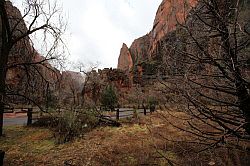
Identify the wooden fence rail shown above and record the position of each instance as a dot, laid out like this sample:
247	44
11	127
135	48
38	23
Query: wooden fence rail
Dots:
130	112
119	113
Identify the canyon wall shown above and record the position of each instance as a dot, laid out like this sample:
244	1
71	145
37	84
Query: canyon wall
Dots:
168	15
23	52
29	73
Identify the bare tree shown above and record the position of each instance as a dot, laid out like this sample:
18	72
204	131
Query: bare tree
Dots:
207	62
40	15
92	81
70	88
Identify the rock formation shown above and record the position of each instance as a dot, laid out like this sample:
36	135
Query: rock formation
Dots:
29	73
22	52
169	14
139	48
125	61
97	81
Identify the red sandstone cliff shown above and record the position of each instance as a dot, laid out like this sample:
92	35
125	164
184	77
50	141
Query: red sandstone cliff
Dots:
24	53
125	61
31	80
169	13
139	48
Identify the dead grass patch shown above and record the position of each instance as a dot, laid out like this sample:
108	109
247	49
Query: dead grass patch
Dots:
140	143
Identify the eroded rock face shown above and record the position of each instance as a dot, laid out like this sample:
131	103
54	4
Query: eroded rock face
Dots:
102	78
139	48
22	51
169	13
28	80
137	52
74	78
125	61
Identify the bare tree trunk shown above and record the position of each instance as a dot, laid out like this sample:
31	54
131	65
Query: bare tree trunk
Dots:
241	90
13	31
2	153
244	102
2	90
4	60
1	118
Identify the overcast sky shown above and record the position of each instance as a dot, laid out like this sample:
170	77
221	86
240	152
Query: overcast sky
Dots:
97	28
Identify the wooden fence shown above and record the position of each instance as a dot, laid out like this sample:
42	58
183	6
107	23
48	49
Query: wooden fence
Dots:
119	113
128	112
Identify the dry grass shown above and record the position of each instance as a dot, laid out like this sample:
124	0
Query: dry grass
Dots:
24	144
140	143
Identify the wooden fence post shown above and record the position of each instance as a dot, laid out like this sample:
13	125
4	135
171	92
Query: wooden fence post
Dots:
144	110
29	114
117	114
1	157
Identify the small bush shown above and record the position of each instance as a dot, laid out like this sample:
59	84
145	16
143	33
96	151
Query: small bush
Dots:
72	124
45	121
68	125
152	102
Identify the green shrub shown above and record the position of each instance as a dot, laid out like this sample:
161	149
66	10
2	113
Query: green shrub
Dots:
109	99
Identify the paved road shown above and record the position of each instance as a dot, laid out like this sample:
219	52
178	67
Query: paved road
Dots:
15	121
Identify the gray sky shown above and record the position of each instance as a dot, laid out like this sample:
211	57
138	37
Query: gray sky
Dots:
97	28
